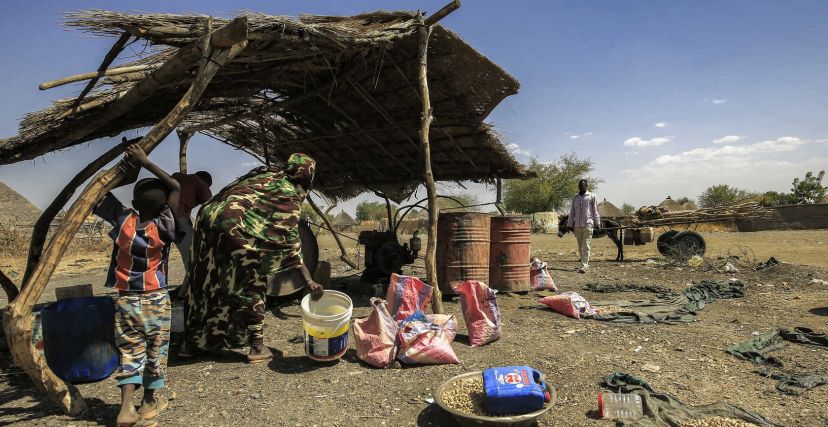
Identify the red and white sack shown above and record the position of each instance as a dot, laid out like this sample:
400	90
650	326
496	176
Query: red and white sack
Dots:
569	304
480	311
375	336
406	295
540	277
426	340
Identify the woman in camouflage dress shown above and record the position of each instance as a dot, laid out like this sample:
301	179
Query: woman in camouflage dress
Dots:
243	236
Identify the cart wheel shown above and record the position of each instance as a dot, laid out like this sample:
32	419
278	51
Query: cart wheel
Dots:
665	242
687	244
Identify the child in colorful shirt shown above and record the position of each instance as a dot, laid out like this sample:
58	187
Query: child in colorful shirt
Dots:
138	270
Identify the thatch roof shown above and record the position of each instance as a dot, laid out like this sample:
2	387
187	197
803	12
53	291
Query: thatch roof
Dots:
343	220
608	210
671	205
340	89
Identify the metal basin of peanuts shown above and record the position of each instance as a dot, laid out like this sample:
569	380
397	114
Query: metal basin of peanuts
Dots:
463	397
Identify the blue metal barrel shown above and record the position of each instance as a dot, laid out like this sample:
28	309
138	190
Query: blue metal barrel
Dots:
79	339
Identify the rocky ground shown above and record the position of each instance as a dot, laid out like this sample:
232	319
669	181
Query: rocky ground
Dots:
574	354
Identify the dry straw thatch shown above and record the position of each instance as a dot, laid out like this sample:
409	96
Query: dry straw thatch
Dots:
341	89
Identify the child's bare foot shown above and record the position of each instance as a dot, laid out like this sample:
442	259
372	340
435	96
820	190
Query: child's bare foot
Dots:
259	353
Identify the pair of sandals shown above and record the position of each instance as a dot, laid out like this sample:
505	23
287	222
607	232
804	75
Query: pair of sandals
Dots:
252	358
146	414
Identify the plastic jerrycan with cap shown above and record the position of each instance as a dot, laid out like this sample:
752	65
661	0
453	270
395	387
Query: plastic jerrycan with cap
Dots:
514	390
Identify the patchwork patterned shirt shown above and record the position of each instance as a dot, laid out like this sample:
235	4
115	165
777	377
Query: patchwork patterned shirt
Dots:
141	249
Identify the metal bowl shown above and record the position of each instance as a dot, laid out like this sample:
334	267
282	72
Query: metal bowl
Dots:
479	420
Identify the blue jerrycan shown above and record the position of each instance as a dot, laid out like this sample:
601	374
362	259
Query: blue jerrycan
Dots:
514	390
79	339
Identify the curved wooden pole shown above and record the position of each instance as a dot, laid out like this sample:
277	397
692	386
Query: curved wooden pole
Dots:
17	317
344	257
431	189
41	227
183	140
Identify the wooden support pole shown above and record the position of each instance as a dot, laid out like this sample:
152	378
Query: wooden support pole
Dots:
431	188
41	227
344	257
95	74
498	203
110	56
183	140
440	14
17	317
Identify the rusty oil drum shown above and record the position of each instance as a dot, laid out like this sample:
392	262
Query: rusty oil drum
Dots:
462	249
509	253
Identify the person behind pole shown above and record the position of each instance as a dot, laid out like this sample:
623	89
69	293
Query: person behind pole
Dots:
246	234
583	218
195	190
138	270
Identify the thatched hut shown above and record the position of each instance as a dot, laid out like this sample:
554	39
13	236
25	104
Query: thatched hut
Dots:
670	205
356	93
342	221
608	210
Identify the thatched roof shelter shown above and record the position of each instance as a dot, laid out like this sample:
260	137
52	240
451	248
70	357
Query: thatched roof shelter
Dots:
671	205
608	210
343	220
341	89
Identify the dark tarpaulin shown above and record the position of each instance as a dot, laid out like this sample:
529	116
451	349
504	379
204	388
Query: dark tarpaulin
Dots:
757	350
662	409
671	307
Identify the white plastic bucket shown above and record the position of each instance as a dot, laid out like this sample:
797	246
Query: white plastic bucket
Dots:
325	324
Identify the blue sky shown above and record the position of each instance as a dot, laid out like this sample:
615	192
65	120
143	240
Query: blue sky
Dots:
666	97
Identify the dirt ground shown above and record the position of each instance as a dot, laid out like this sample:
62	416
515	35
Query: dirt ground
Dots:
574	355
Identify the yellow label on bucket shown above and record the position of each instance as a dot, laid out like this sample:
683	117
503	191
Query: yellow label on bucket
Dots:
318	332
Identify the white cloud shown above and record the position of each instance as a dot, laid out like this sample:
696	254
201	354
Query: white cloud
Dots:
761	166
515	149
640	142
250	164
661	125
729	139
578	136
718	101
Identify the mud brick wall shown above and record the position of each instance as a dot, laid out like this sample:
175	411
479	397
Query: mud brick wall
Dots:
793	217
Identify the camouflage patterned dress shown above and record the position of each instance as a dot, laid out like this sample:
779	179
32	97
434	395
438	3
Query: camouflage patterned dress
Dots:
243	235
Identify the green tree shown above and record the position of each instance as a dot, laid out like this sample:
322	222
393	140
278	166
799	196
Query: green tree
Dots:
721	194
458	201
628	209
373	211
553	186
687	201
774	198
810	189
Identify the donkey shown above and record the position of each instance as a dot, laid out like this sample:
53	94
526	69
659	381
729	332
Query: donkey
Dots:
609	228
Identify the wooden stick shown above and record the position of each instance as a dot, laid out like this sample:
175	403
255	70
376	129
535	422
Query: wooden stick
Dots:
95	74
86	106
183	140
8	287
498	203
17	317
41	227
110	56
440	14
344	257
431	188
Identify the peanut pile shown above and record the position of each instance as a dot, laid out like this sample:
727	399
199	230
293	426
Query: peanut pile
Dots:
467	396
719	422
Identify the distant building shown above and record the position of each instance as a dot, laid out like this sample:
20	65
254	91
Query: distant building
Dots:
608	210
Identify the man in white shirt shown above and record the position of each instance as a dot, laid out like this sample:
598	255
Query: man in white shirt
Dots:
583	218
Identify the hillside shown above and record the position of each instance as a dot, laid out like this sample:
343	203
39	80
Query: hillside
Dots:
16	209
